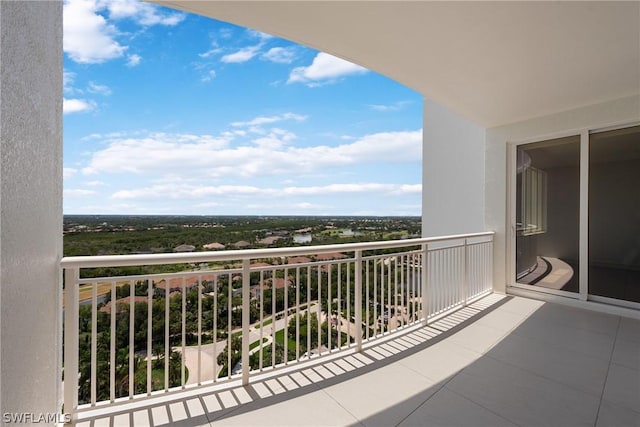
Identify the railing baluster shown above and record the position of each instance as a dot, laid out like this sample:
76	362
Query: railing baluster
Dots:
229	323
215	328
423	284
183	373
395	291
375	297
389	294
199	330
308	312
167	319
94	340
286	315
358	300
339	314
273	318
348	305
329	308
149	335
319	310
403	284
297	314
112	345
246	318
132	313
261	290
367	309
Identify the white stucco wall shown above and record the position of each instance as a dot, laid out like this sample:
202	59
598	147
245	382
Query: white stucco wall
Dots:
453	173
612	113
30	204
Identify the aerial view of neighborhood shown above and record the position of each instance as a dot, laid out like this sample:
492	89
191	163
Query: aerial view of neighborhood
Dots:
186	322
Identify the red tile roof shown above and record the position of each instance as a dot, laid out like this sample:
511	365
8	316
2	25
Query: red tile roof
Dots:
123	302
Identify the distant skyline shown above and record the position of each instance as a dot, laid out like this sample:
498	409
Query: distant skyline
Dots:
172	113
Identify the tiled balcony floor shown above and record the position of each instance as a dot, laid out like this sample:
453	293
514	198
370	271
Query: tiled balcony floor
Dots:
502	361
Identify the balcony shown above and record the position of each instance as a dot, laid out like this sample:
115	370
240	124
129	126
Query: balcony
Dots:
382	333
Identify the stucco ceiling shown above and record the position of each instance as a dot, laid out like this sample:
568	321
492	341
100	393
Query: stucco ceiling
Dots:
493	62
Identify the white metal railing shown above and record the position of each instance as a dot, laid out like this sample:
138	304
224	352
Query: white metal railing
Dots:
133	335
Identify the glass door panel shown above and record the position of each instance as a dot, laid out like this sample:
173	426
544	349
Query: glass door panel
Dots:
548	214
614	214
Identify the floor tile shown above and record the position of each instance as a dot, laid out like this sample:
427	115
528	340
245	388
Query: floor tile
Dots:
448	409
623	387
611	415
311	409
523	397
388	393
477	337
553	362
579	340
441	360
629	329
627	353
522	306
579	318
502	320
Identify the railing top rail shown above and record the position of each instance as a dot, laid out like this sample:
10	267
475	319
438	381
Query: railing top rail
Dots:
234	255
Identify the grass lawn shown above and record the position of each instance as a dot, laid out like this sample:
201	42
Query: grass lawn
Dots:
256	343
291	343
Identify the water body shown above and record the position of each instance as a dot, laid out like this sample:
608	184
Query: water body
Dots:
302	238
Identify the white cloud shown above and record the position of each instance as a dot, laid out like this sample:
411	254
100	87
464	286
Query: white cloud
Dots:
263	120
210	75
67	81
173	191
213	51
78	192
77	105
88	37
281	55
95	184
258	34
68	172
324	69
214	157
98	89
190	192
133	60
143	13
154	152
391	107
225	33
243	55
392	189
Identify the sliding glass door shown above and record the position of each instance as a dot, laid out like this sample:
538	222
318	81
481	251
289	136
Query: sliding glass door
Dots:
548	214
577	203
614	214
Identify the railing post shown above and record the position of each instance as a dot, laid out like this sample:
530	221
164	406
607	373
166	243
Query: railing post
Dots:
246	319
71	278
424	278
464	295
358	300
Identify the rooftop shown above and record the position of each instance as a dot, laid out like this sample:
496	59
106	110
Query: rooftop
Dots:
501	361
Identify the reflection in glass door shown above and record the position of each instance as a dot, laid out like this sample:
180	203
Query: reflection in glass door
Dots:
548	214
614	214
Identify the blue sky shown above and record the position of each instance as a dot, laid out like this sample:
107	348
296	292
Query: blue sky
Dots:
172	113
